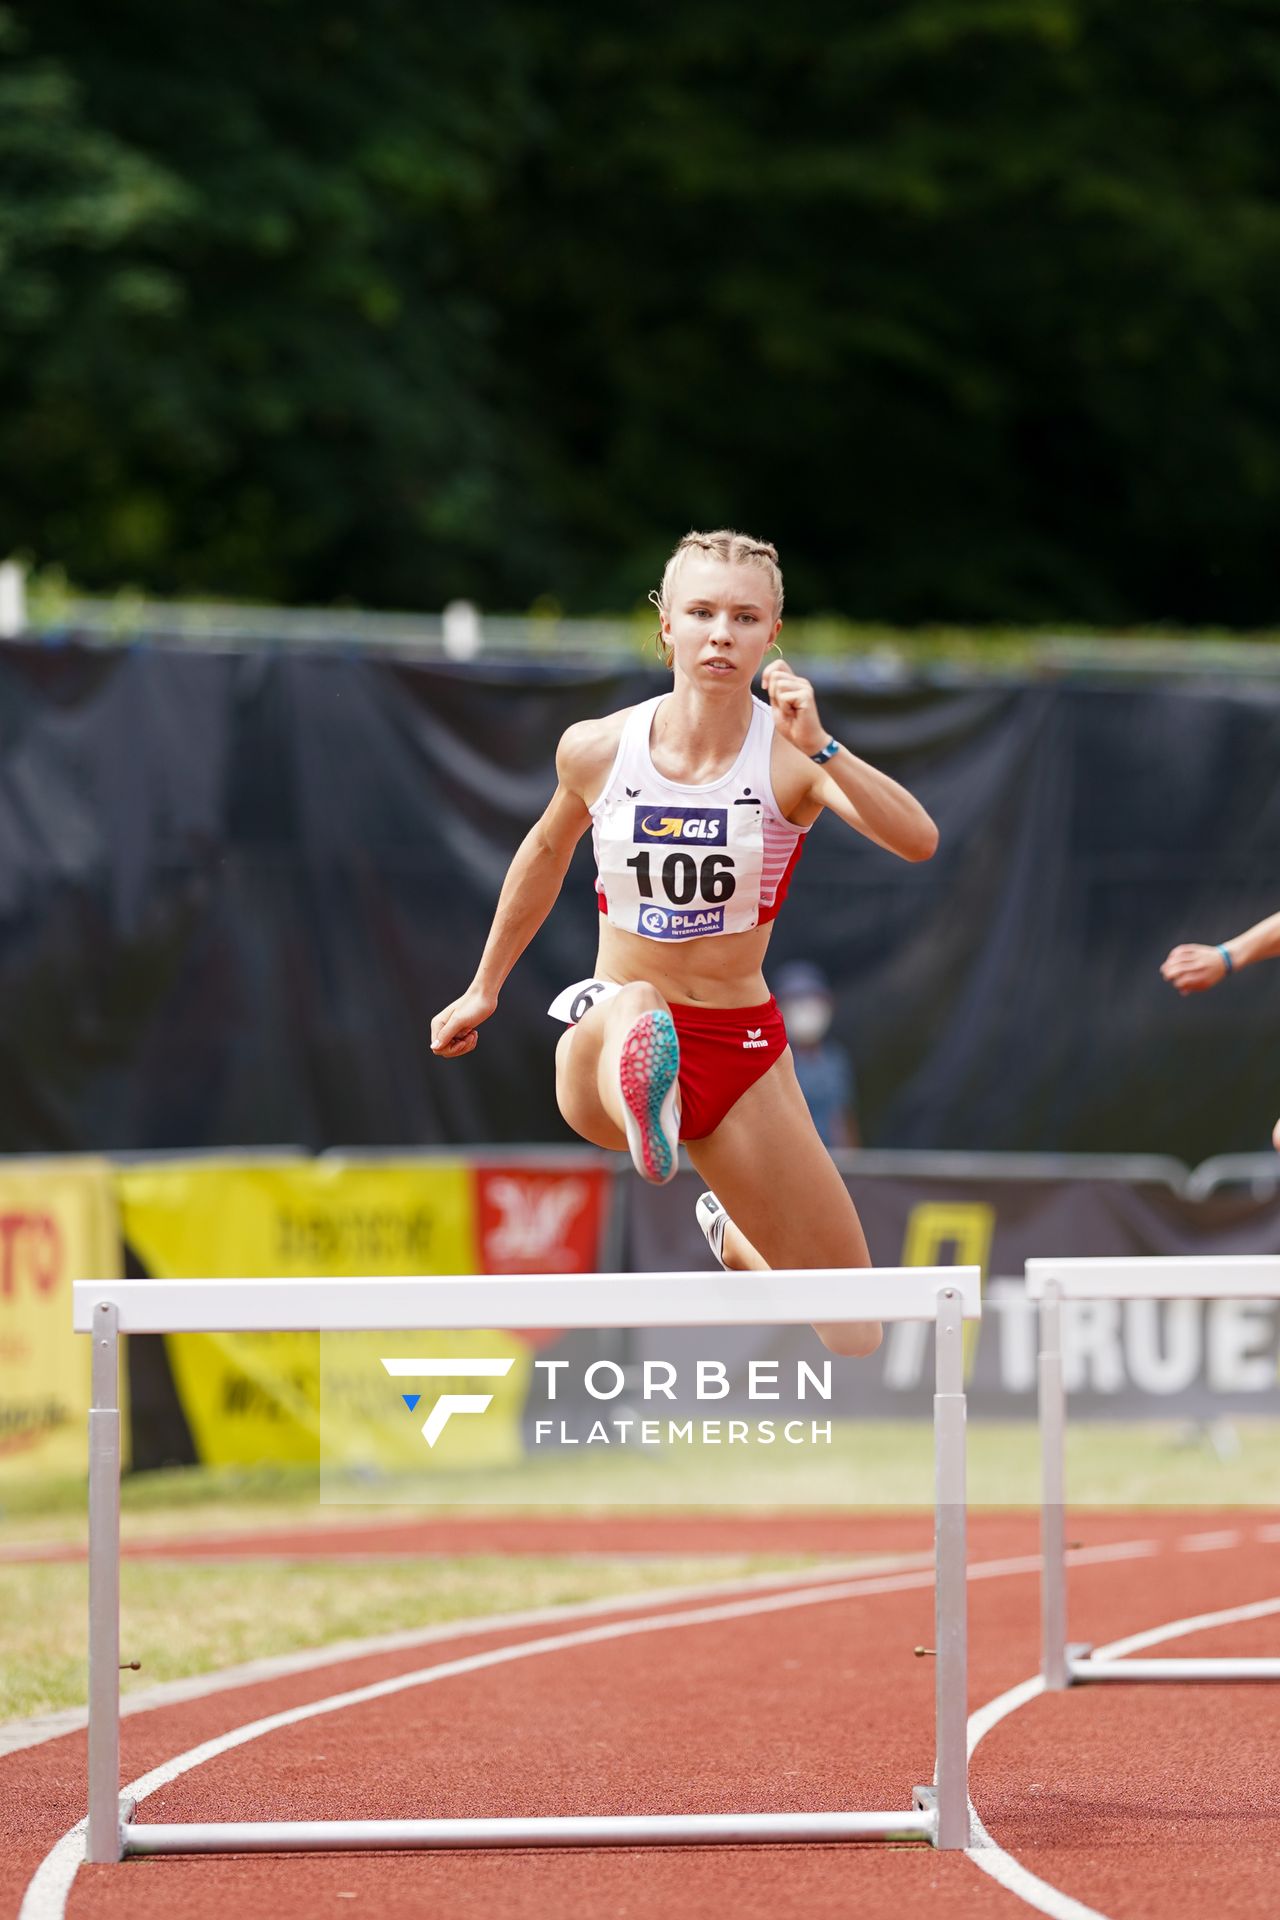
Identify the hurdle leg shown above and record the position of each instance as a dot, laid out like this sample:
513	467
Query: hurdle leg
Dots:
1053	1514
104	1839
951	1576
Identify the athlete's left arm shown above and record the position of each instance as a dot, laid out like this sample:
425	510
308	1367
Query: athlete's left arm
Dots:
862	796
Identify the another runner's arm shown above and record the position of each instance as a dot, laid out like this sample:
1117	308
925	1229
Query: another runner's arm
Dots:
528	894
858	793
1193	968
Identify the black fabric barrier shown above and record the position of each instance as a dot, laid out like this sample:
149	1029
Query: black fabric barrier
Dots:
1130	1360
234	888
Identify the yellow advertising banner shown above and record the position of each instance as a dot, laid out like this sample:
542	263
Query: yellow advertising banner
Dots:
257	1397
57	1224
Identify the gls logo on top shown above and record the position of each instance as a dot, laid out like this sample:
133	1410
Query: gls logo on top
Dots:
708	826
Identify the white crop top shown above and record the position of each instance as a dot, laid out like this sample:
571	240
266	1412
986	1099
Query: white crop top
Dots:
678	863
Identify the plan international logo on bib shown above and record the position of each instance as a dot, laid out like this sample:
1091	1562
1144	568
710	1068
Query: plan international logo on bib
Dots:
705	826
680	923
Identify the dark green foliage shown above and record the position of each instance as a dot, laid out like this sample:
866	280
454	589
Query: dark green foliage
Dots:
969	304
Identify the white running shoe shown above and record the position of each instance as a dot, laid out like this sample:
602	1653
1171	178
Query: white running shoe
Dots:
713	1220
649	1070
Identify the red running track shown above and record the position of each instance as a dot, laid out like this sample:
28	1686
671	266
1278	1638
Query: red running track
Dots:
573	1534
1140	1801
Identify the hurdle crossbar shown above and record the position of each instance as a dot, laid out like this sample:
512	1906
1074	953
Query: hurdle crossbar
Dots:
559	1300
947	1296
1065	1663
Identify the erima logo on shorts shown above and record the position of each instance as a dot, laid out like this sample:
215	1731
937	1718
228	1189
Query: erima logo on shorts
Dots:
680	923
753	1038
708	826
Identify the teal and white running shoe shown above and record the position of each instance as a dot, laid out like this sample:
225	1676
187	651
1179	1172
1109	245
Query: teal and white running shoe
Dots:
648	1070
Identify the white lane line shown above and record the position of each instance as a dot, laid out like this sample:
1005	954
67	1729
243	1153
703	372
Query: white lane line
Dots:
35	1728
50	1885
32	1731
1210	1542
1268	1533
983	1850
1195	1623
1016	1878
16	1735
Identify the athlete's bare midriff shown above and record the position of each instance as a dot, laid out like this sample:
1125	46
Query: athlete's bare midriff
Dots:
723	970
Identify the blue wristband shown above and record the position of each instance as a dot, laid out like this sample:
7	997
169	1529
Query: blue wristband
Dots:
1227	957
828	752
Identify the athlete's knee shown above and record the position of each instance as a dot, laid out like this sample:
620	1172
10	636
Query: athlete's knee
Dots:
637	997
853	1341
580	1109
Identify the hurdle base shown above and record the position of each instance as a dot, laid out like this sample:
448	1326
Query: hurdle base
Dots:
108	1854
1081	1670
655	1830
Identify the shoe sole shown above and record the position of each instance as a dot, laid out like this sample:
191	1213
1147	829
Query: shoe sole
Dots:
648	1070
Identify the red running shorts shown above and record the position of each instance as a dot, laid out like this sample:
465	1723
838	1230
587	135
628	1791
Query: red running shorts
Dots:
723	1050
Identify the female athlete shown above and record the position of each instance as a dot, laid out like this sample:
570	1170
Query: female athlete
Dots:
699	801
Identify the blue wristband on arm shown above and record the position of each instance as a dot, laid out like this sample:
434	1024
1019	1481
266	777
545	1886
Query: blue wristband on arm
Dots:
1230	963
832	747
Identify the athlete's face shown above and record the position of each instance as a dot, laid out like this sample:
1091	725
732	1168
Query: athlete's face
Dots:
721	621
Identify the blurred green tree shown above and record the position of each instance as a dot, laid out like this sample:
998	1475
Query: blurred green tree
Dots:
238	349
969	304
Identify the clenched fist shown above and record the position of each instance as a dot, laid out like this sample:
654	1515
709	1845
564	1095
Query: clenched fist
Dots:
453	1031
1192	969
795	710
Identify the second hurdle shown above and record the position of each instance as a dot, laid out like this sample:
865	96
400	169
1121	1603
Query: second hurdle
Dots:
1053	1283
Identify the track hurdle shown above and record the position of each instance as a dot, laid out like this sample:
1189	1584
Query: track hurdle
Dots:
947	1296
1185	1277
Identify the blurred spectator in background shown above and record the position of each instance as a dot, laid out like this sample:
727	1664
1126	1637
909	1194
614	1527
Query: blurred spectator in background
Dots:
824	1068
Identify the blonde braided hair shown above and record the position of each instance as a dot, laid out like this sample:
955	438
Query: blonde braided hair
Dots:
735	549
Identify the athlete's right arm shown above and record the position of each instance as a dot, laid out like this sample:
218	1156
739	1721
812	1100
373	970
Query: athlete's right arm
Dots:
533	881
